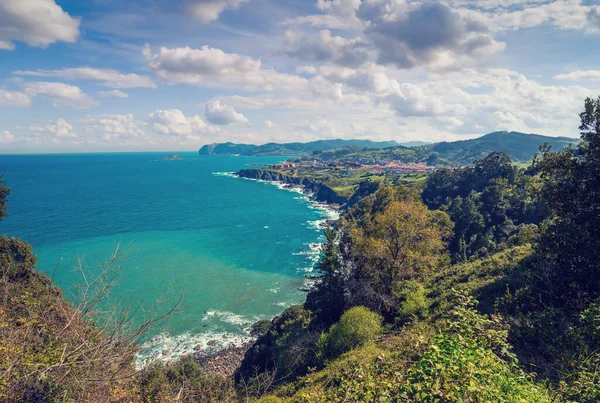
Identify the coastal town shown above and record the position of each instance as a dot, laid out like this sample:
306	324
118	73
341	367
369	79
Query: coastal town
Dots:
382	166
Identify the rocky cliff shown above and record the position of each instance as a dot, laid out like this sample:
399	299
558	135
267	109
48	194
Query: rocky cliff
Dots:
322	193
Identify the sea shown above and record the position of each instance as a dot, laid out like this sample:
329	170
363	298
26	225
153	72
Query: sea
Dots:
234	250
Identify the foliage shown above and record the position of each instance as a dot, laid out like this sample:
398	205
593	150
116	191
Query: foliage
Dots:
4	192
184	381
357	326
471	361
287	347
489	202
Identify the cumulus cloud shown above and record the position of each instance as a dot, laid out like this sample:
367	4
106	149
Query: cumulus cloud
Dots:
565	14
412	34
205	65
59	94
111	127
338	14
61	128
113	93
35	22
269	124
174	122
210	66
110	77
6	136
580	75
325	48
210	10
219	114
14	98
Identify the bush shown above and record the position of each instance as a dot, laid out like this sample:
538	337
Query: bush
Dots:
357	326
414	301
471	361
184	380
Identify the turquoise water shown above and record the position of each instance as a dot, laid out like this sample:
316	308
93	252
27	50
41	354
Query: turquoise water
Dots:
237	249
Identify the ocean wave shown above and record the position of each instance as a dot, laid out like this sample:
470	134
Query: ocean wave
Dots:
166	347
230	317
228	174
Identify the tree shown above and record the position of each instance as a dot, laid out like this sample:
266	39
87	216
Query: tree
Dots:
568	268
325	297
4	192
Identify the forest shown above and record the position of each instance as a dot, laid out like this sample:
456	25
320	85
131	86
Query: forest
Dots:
480	284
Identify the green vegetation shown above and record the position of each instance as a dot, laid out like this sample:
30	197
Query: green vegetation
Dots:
288	149
391	314
519	147
356	327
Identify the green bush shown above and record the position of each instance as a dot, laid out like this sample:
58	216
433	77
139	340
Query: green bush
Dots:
356	327
184	380
414	301
471	361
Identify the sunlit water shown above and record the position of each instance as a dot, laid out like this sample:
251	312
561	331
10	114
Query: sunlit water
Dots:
237	249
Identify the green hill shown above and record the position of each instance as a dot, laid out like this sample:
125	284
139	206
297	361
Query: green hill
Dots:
289	148
518	146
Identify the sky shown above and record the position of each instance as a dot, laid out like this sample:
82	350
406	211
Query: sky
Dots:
166	75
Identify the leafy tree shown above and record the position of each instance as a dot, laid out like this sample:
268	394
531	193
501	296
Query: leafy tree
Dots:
4	192
568	269
325	298
404	242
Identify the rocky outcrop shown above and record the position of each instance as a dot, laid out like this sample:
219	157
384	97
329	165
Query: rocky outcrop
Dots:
321	192
224	362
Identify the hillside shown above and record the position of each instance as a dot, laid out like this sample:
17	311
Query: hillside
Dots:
518	146
289	148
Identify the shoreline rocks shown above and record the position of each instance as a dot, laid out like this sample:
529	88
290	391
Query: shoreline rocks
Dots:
224	361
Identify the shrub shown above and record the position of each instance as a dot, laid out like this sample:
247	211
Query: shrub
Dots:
414	301
184	380
357	326
471	361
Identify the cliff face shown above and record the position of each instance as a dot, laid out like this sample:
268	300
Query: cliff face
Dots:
321	192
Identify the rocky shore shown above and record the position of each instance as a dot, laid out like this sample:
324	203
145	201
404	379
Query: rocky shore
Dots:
319	191
225	361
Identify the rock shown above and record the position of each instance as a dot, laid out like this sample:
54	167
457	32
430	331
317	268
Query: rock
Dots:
198	347
211	342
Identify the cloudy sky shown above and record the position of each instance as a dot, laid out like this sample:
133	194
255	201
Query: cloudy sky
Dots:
115	75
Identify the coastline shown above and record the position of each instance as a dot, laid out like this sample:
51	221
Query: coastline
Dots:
224	355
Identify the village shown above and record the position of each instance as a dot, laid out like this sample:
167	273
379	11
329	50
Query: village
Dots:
366	166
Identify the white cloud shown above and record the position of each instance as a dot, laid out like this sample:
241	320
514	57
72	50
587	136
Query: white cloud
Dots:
111	127
14	98
205	65
6	136
210	10
174	122
59	94
61	128
408	34
269	124
219	114
591	75
110	77
113	93
326	48
339	14
35	22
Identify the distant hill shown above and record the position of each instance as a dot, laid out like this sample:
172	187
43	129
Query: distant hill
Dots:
276	149
518	146
411	144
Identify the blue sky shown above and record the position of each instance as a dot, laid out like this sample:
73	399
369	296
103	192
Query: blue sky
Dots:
136	75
